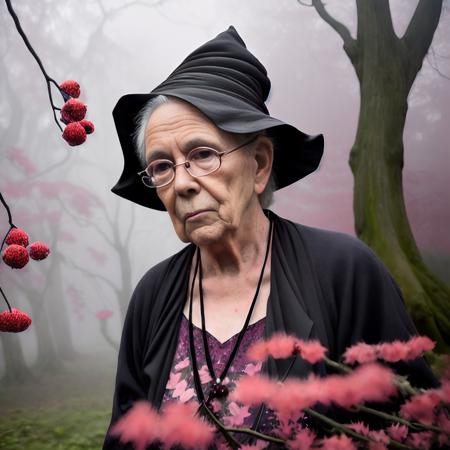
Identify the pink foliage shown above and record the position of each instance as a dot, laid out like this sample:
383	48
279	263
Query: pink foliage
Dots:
341	442
311	351
19	157
142	425
421	407
402	351
179	426
371	382
281	345
359	427
303	440
397	431
104	314
98	257
360	353
420	440
254	390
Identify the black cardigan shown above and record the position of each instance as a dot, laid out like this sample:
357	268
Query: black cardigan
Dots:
324	285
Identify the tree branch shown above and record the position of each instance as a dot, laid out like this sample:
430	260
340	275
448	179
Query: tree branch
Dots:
340	28
420	31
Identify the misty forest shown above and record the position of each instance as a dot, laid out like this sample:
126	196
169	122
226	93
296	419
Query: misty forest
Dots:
373	77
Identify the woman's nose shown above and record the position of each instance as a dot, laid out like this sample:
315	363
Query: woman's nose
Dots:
184	183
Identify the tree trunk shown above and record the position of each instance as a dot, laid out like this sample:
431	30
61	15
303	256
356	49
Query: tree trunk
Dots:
16	370
376	160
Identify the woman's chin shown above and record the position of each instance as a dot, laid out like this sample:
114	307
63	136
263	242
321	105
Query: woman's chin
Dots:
205	235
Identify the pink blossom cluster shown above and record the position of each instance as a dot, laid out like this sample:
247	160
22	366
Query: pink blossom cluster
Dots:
371	382
176	425
389	351
281	345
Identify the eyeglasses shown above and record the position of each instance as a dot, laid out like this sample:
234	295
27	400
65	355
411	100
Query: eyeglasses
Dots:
199	162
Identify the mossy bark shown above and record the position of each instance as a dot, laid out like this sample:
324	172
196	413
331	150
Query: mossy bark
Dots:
386	67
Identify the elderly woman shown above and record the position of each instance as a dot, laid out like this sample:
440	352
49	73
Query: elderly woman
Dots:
203	147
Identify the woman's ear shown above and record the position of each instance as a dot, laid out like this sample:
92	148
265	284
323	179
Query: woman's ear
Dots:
264	160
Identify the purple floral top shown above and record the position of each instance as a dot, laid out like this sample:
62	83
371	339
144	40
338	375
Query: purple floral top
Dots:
180	386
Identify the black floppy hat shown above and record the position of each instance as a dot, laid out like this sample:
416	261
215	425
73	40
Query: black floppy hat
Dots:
229	85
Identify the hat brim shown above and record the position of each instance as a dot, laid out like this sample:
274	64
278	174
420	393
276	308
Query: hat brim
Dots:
296	154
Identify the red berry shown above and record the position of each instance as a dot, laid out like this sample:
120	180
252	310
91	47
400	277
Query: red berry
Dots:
87	125
17	236
70	87
38	250
15	256
14	321
73	111
74	134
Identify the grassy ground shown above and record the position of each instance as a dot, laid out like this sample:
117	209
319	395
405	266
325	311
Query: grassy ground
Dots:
68	410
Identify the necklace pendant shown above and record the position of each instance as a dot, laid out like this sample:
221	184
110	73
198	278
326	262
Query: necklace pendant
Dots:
219	390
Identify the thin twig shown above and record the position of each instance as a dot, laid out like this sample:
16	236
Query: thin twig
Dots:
6	300
48	79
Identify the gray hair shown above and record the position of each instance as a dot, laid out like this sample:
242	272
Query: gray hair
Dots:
265	198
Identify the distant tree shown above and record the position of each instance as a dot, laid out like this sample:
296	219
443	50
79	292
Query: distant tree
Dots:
386	66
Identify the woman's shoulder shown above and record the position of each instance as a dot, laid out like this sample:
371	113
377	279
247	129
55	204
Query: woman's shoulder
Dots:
326	246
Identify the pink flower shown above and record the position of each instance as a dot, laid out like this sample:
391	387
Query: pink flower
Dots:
205	376
397	431
420	440
103	314
379	436
402	351
187	395
139	425
303	440
311	351
341	442
444	421
238	415
393	351
377	446
182	364
279	345
418	345
179	388
369	382
253	369
174	379
253	390
360	353
359	427
179	426
421	407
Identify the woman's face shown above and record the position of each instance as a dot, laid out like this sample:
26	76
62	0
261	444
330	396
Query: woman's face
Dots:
203	210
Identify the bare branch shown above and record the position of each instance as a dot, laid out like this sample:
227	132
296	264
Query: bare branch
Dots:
420	31
90	274
337	26
304	4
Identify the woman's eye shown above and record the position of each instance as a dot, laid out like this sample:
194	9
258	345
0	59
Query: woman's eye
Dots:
161	167
202	154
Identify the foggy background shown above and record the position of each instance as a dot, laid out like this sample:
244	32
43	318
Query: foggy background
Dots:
101	245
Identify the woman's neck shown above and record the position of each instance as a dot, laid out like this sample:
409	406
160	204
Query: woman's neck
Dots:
241	251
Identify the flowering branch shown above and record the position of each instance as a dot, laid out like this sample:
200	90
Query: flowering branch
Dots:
421	422
73	111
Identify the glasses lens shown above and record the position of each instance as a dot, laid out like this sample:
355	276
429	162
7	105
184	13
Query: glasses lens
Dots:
203	161
159	172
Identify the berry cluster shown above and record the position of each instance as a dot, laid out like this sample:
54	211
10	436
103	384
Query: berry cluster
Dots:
73	113
16	254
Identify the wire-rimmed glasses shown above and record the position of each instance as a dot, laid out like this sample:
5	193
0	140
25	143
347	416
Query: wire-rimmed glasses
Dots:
199	162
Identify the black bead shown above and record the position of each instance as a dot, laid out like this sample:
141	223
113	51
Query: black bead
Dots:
219	391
